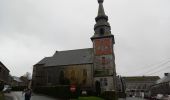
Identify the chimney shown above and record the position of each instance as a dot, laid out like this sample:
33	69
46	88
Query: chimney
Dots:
166	74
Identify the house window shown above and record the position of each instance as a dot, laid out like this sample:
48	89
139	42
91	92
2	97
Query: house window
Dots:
49	78
144	87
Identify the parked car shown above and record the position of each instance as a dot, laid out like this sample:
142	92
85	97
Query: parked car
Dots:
159	96
166	97
152	98
7	88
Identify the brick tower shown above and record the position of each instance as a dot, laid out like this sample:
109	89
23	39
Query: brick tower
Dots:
104	58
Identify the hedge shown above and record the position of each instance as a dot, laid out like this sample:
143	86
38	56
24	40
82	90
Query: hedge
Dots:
121	94
1	96
109	95
1	86
58	91
90	98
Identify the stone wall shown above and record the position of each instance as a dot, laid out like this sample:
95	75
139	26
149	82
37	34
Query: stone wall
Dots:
81	75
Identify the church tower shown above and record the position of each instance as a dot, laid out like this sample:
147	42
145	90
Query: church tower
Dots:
104	58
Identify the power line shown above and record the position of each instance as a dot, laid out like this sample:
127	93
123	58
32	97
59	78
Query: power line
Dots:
167	67
150	66
153	66
157	67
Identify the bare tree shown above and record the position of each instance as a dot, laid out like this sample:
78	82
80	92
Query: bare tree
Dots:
26	78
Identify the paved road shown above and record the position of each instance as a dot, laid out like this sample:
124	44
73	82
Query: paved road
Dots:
130	98
19	96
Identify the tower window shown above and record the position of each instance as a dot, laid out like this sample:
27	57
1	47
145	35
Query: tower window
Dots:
105	81
101	31
103	60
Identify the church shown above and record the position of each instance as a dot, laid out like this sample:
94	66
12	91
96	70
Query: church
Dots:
88	67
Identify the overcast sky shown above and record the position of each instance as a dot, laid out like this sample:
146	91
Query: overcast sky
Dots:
33	29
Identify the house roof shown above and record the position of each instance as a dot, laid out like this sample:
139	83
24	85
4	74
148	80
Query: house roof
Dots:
1	64
141	78
164	79
17	79
69	57
44	60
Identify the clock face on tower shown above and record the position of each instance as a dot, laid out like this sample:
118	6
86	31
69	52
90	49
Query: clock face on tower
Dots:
103	46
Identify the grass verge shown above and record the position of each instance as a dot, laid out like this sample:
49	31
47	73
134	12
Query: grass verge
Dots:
1	96
90	98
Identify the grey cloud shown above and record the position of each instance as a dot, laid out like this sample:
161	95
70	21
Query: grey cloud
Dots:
32	29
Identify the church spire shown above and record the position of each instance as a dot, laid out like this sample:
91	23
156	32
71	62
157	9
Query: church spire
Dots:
102	27
101	13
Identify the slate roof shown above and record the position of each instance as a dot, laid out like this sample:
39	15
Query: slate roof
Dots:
141	78
69	57
2	65
44	60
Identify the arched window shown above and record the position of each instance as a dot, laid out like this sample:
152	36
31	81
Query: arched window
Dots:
105	81
61	77
84	73
98	87
101	31
103	60
73	75
84	76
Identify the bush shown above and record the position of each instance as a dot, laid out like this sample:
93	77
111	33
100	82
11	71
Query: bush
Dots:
1	87
109	95
121	95
57	91
1	96
18	88
91	93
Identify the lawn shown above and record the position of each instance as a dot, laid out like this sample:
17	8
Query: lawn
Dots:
1	96
90	98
